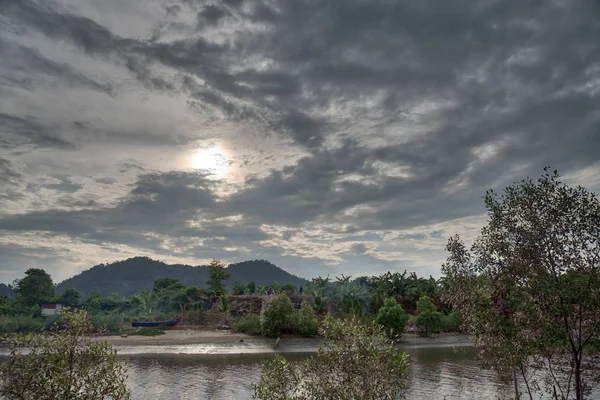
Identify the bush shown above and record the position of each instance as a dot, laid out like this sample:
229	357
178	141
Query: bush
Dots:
429	319
275	315
451	322
392	317
30	324
110	321
249	324
8	325
304	321
424	304
42	365
354	362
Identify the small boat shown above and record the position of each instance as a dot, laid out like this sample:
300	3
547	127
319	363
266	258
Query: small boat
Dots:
154	324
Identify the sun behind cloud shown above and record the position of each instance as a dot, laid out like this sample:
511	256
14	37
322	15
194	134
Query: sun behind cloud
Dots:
213	159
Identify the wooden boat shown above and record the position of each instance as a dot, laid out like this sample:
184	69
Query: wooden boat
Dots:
154	324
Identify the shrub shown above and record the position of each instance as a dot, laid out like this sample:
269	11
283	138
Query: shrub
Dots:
30	324
392	317
8	325
451	322
249	324
354	362
429	319
110	321
48	370
304	321
275	315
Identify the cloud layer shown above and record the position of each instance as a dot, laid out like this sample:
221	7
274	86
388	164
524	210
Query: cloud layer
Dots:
326	136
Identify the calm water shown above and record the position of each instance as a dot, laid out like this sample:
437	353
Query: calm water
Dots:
435	373
219	372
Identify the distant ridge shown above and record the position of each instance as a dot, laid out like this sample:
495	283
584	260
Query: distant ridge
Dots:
129	276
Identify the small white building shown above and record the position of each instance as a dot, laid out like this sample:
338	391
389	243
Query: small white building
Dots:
50	309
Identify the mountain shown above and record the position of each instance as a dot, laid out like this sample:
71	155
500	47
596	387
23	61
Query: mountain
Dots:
130	276
6	290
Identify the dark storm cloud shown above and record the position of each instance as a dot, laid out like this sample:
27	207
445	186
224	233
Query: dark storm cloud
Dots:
211	15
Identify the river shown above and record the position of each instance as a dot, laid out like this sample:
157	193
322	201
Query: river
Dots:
435	373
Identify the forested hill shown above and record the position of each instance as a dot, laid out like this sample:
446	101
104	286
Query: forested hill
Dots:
6	290
130	276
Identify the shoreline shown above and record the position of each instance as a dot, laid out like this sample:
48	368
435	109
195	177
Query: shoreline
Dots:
191	341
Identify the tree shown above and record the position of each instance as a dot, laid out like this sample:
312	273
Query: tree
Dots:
238	288
63	364
35	288
353	297
275	315
251	287
147	300
428	319
530	287
354	362
163	283
392	317
261	289
70	297
304	321
216	276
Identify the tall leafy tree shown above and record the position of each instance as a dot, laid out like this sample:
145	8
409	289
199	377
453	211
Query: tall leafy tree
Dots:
70	297
216	276
35	287
530	287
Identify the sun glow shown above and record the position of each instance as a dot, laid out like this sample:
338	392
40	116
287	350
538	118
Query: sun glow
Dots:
213	160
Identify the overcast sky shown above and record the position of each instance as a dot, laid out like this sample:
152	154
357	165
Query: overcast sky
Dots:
327	136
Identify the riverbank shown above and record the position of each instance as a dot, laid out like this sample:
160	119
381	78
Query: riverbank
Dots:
177	337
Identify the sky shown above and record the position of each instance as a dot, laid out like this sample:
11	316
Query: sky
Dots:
326	136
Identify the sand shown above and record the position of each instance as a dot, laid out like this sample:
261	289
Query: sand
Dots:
219	336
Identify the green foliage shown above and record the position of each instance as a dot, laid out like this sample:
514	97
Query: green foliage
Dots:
70	297
225	303
529	288
238	288
106	321
304	321
21	324
147	300
63	364
275	315
35	287
163	283
429	319
249	324
424	304
251	287
392	317
354	362
261	290
451	322
216	276
352	296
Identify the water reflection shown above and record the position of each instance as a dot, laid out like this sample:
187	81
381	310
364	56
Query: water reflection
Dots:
434	374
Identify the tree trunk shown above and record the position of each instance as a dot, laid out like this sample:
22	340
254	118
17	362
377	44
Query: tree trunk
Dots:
578	382
517	395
